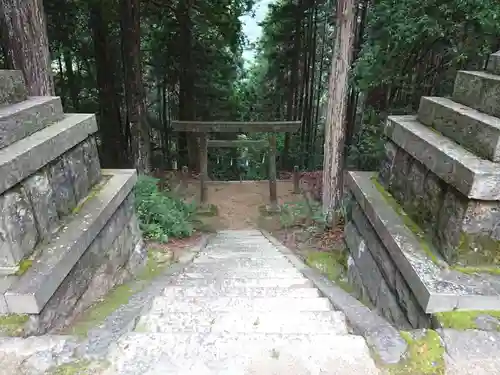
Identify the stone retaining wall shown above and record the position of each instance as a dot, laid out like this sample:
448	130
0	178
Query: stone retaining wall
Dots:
375	277
465	231
115	255
35	207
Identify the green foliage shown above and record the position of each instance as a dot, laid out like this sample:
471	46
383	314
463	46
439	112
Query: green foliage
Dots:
161	215
297	213
367	148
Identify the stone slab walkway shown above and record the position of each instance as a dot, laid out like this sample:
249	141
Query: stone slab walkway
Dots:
240	308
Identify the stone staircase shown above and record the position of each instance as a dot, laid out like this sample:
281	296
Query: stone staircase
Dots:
67	228
424	233
241	308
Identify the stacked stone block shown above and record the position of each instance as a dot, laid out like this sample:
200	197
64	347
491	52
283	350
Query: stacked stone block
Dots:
67	228
432	213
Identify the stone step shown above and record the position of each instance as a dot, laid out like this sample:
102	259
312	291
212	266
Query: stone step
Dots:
180	292
21	159
474	177
226	354
478	90
472	129
219	256
12	87
195	304
268	273
239	234
235	245
19	120
304	322
54	261
494	63
240	263
242	282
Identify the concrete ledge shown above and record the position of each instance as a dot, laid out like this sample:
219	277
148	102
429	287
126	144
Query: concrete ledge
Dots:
474	177
18	121
12	87
436	289
494	63
34	289
474	130
478	90
381	336
21	159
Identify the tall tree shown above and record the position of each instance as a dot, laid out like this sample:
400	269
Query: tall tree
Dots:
134	90
114	148
335	126
24	33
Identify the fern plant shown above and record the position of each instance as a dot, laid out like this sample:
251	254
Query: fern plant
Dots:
160	214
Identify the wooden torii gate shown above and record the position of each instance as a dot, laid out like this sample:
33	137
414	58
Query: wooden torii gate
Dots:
205	127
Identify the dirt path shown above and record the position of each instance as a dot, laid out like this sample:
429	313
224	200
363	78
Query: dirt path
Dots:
239	204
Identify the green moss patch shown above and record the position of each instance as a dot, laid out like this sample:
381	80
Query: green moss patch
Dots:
333	264
462	320
477	270
95	315
92	194
409	223
478	249
424	356
79	368
12	324
24	266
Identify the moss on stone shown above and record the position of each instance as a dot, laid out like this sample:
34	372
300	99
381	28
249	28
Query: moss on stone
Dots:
409	223
12	324
462	320
24	266
478	249
333	264
92	194
477	270
424	356
120	295
82	367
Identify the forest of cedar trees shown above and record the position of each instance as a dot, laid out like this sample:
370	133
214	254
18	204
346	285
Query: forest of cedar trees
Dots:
337	66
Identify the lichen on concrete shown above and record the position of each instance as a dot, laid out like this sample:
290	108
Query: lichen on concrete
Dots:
463	320
12	324
424	356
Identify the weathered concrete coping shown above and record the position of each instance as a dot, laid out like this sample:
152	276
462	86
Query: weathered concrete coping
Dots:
436	289
34	289
474	177
17	121
380	335
494	63
478	90
23	158
474	130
